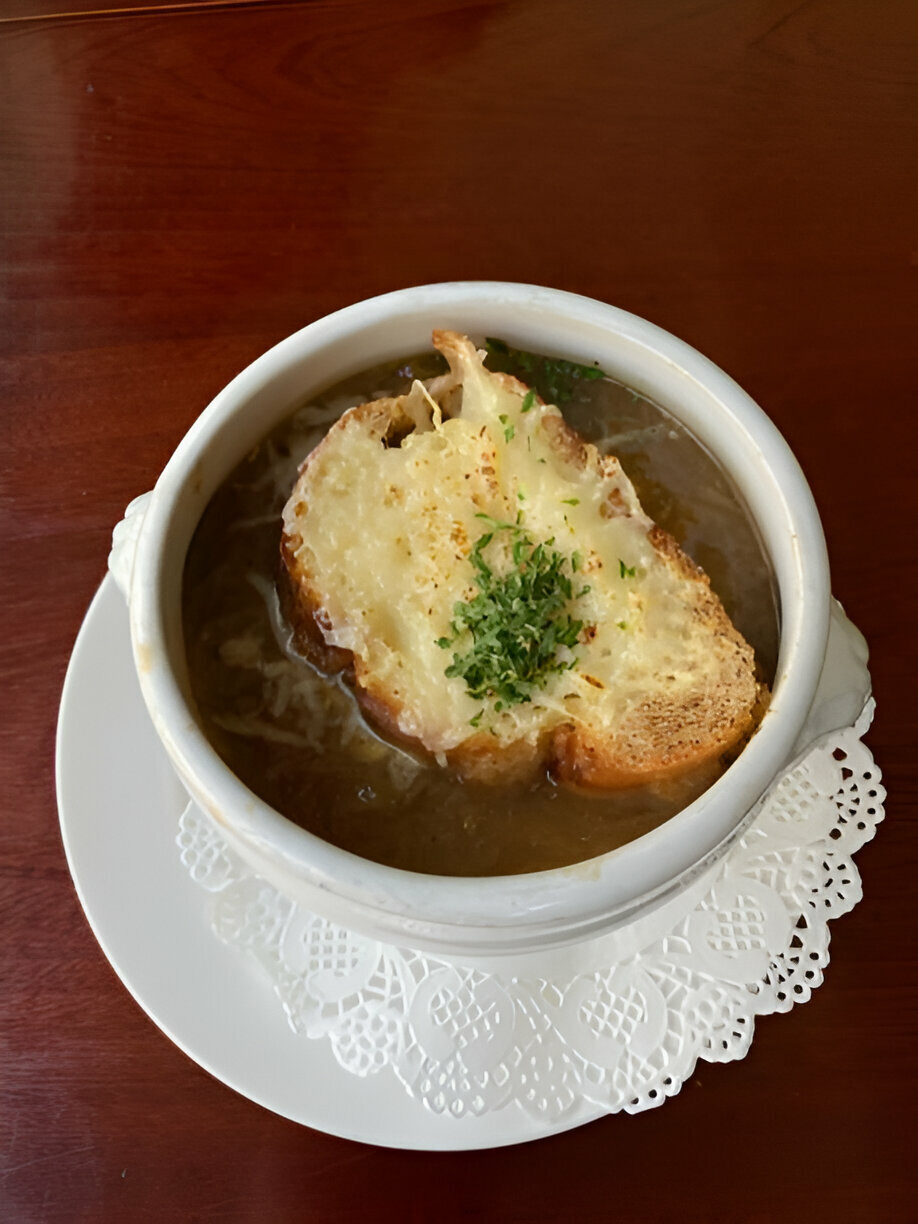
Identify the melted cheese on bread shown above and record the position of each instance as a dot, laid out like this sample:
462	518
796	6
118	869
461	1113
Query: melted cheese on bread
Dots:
378	534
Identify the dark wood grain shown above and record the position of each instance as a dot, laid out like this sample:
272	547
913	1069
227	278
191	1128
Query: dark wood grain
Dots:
181	189
20	12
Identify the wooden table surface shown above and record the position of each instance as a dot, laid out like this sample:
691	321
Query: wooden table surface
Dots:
185	184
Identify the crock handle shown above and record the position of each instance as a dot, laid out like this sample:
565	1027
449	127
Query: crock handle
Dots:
844	686
124	544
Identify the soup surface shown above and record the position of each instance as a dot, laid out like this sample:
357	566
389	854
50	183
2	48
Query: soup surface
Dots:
297	738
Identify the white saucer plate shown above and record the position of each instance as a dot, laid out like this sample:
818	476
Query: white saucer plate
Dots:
390	1047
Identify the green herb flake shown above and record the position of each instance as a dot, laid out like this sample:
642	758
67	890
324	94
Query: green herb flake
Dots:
474	722
623	624
554	378
576	562
509	433
570	501
494	524
528	400
508	639
626	571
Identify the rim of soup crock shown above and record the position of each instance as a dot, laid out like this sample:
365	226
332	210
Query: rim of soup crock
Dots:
497	914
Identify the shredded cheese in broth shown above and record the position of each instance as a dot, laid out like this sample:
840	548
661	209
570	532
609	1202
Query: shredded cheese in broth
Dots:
297	737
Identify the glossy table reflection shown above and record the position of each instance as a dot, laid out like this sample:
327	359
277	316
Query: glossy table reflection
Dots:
182	186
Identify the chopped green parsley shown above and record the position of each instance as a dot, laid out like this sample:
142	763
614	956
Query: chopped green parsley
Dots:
626	571
509	431
517	630
554	378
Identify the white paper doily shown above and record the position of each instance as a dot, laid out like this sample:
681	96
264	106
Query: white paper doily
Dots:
619	1034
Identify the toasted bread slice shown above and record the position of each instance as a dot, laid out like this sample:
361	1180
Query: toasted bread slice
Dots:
414	544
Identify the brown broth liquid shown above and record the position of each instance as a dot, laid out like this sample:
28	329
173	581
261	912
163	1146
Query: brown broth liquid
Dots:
297	739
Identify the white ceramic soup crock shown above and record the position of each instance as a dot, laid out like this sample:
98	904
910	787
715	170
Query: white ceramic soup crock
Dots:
511	914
